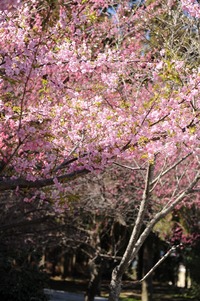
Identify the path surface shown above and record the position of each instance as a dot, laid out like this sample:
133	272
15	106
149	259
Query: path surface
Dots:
65	296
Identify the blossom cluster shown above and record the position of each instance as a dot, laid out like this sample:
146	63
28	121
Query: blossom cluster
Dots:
192	7
81	88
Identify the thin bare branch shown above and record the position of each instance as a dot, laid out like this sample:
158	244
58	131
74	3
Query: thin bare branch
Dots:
157	264
129	167
167	209
170	168
69	160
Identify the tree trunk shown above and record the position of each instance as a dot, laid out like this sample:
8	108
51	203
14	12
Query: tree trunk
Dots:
115	285
134	244
136	240
94	286
147	285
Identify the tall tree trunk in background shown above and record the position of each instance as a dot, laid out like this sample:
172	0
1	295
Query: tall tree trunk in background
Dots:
94	286
147	285
95	264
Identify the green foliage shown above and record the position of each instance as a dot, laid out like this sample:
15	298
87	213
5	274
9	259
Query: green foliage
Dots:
194	265
195	290
20	277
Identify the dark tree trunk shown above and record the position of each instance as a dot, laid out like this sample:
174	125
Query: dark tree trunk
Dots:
94	286
147	285
140	264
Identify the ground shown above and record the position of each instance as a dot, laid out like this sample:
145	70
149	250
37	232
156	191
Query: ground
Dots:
130	291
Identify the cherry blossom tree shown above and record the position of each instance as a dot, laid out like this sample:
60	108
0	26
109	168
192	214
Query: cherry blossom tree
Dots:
67	100
82	89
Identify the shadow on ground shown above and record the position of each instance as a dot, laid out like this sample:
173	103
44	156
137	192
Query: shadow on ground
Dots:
55	295
77	287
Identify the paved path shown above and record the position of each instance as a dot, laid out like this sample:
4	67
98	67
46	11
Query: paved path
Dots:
65	296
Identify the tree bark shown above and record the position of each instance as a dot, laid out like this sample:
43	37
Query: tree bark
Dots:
115	285
147	285
94	286
12	184
116	281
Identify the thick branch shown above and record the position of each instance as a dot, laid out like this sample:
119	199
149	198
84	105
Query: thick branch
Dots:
11	184
24	223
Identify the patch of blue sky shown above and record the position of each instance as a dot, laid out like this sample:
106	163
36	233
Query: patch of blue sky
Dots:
134	3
